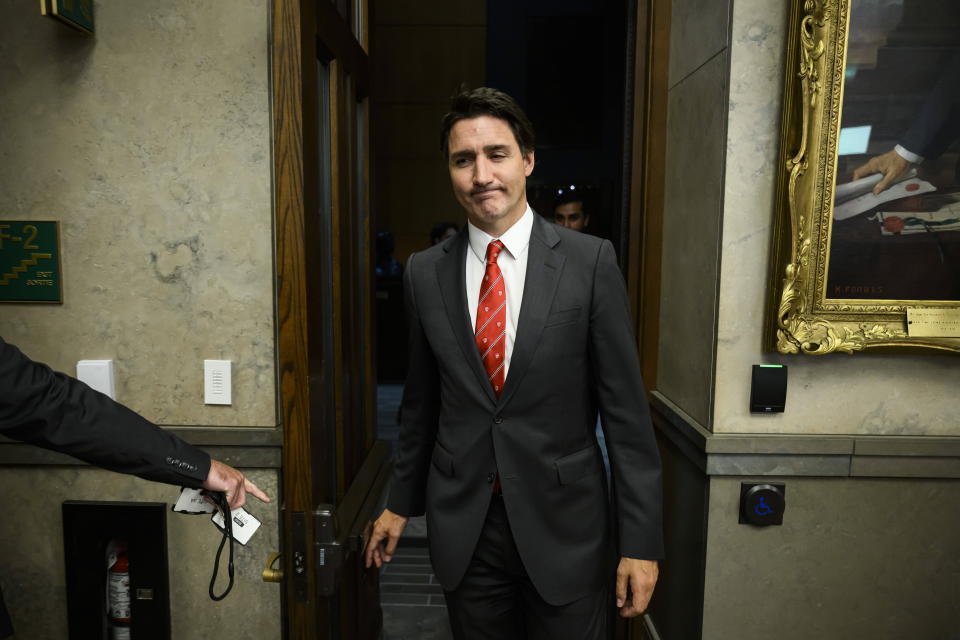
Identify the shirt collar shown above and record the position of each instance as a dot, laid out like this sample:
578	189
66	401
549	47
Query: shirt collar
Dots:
515	240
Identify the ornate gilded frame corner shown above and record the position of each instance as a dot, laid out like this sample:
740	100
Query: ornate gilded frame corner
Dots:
805	320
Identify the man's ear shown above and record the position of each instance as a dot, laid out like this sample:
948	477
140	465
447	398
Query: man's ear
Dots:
586	219
528	163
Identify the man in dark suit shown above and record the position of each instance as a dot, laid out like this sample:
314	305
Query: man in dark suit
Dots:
57	412
519	334
933	129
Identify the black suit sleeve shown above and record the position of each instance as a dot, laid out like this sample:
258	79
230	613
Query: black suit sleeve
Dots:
54	411
625	414
419	416
937	125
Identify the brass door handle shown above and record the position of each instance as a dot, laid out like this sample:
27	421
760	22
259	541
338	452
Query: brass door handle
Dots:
269	573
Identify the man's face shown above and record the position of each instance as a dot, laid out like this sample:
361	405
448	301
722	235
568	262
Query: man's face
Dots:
488	172
571	216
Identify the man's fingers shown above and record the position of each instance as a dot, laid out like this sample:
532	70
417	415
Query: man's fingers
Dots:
621	588
867	169
888	177
391	546
375	539
635	605
237	498
255	490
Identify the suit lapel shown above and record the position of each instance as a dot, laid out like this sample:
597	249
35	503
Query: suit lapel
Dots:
543	274
453	290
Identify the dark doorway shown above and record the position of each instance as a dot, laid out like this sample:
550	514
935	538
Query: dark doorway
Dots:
566	62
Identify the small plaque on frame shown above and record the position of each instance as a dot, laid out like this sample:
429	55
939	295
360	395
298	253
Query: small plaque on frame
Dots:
933	323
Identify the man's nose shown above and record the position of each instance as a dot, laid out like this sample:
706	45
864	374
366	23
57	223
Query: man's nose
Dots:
563	222
481	172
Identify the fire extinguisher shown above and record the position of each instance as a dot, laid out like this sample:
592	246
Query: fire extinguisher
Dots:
118	591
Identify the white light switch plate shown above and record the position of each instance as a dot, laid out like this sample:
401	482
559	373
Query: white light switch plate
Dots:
216	382
98	375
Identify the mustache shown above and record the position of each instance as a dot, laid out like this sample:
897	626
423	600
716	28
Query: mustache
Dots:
478	191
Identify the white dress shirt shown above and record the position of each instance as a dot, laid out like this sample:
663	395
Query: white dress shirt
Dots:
908	155
513	265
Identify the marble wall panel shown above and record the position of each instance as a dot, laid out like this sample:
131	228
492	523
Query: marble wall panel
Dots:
32	563
897	394
853	559
150	143
699	30
696	138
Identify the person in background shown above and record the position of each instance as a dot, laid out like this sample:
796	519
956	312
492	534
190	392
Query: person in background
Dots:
568	211
934	128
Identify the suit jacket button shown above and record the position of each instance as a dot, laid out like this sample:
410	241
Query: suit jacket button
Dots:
498	419
491	477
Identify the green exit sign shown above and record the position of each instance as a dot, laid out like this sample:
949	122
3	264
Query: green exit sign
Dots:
30	261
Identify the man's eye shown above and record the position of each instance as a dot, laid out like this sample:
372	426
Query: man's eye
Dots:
460	162
498	156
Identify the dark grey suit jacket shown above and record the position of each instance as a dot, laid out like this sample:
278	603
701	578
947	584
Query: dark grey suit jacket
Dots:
574	354
54	411
937	125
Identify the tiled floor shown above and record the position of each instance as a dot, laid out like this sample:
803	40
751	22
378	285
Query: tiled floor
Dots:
412	600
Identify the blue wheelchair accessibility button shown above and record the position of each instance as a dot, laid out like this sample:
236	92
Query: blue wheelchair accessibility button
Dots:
762	508
762	503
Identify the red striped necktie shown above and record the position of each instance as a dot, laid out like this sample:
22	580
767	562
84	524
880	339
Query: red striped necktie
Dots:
491	334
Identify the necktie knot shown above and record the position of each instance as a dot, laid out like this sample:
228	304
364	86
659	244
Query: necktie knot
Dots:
493	251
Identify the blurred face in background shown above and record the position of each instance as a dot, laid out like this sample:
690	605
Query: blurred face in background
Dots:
571	216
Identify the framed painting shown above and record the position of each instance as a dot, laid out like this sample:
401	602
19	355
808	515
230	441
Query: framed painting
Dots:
867	240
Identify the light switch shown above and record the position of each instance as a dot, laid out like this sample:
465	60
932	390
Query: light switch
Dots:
98	375
216	382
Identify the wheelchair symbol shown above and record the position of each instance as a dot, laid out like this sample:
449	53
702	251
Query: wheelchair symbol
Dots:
762	508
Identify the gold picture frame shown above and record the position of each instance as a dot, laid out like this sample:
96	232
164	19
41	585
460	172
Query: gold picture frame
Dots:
809	318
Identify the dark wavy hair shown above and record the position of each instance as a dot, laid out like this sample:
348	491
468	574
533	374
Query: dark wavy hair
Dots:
485	101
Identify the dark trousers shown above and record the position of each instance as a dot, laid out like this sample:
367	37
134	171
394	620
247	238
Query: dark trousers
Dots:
496	600
6	626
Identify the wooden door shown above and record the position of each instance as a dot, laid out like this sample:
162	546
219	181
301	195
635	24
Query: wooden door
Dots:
333	468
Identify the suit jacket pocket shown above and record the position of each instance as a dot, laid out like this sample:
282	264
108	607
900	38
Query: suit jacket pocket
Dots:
565	316
442	460
577	465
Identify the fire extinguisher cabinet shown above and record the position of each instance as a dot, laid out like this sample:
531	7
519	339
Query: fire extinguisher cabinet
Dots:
88	529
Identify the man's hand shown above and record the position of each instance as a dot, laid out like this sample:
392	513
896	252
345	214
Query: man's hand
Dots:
891	164
388	527
225	478
641	575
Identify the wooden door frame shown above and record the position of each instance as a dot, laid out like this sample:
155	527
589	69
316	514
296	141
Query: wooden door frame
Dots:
297	29
294	85
647	175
